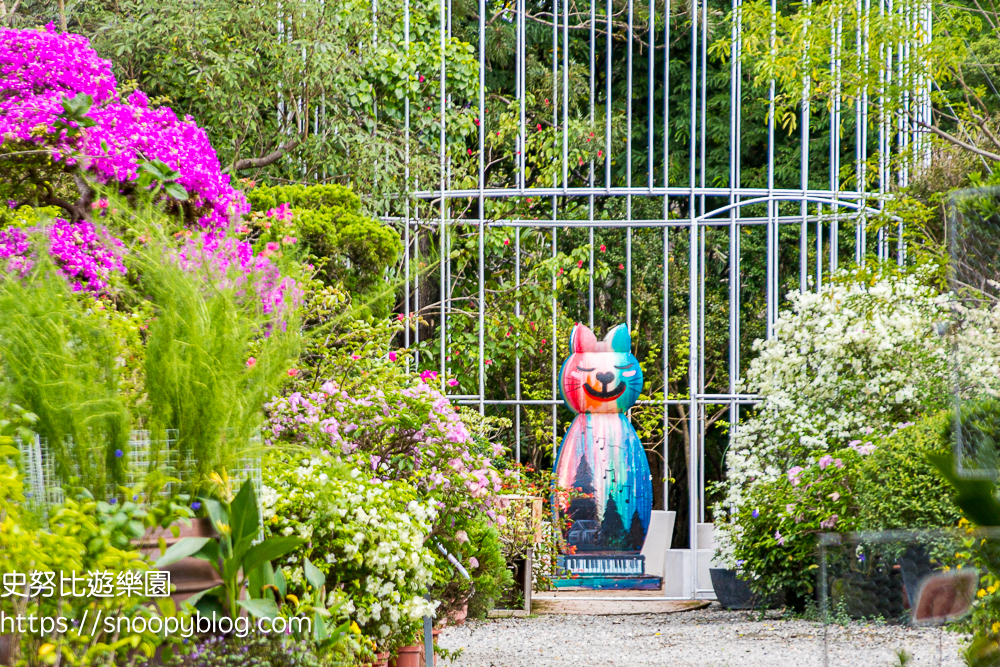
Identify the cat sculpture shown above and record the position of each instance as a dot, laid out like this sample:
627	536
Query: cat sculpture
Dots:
601	453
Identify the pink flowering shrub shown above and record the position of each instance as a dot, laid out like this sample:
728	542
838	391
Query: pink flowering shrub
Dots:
229	262
400	430
773	534
86	255
40	70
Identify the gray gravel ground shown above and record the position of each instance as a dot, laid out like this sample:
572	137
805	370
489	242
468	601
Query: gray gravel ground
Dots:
711	638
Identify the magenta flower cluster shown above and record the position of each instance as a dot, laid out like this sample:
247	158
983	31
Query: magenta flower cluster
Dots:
230	262
41	68
87	256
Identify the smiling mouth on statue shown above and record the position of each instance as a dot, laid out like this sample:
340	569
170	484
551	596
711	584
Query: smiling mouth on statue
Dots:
604	395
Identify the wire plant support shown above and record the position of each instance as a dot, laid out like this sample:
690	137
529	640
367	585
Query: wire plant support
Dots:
662	134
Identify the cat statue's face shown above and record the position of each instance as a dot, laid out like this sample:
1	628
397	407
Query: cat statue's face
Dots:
600	376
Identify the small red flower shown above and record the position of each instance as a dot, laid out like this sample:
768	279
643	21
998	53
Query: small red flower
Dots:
539	126
621	266
421	80
604	248
506	241
579	264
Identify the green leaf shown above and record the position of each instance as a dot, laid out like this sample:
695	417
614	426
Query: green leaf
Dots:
188	546
260	608
268	550
245	519
197	597
280	582
176	190
314	576
319	628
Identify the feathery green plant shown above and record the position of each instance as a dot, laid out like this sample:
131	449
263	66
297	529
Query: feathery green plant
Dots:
213	358
59	361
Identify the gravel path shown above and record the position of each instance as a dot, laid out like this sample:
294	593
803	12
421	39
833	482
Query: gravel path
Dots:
711	638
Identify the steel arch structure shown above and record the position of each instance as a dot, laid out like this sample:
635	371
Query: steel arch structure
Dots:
825	218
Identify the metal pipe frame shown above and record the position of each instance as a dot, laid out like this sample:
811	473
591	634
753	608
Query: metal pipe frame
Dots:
814	212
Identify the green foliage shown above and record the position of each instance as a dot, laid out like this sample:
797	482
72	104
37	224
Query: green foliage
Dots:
314	197
212	359
347	246
492	578
234	555
254	650
82	535
897	486
774	534
61	362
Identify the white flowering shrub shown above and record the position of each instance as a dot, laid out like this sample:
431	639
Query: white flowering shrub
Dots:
366	535
850	364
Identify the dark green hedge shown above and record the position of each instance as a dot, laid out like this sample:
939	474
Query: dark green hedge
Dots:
897	487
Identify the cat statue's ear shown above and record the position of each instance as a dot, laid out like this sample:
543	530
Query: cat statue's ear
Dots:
619	339
582	339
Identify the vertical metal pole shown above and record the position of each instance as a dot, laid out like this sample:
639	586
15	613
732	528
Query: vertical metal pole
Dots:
693	311
607	94
772	250
804	159
481	207
406	181
835	64
628	168
519	65
590	175
443	229
666	256
517	356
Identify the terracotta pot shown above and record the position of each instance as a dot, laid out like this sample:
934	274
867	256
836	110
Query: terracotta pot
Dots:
407	656
382	660
457	616
189	575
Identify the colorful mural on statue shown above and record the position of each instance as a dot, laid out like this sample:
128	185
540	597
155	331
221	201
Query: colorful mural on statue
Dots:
601	453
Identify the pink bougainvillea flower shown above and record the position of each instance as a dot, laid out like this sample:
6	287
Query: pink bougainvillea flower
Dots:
293	372
825	461
474	563
355	357
453	382
462	537
392	356
251	362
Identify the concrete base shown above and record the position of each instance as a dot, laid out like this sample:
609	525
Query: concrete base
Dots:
658	536
678	562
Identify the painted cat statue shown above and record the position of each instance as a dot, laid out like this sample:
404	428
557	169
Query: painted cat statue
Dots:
601	453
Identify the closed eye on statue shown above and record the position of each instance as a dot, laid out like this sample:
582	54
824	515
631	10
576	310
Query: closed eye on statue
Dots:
585	370
625	366
628	374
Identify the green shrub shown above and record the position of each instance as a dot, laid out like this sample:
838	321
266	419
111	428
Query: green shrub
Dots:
897	485
264	197
348	246
482	555
772	539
